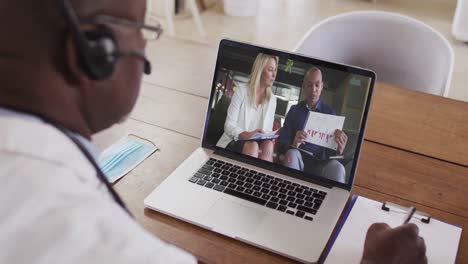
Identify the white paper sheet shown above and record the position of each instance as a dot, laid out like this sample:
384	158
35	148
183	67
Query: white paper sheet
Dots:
320	129
441	239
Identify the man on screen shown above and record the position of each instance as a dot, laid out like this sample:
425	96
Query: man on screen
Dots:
302	155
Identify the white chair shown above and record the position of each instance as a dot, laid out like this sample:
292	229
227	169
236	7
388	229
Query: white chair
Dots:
460	21
401	50
168	10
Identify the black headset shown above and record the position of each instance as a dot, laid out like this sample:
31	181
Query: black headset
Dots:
97	53
96	49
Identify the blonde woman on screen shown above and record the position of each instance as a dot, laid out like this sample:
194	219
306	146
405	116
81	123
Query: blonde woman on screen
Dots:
252	110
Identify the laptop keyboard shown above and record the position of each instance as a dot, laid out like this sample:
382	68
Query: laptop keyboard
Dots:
272	192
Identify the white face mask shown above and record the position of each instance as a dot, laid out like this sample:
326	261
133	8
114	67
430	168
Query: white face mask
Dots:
123	156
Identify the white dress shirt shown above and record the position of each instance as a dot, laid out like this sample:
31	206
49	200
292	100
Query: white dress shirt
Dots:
54	209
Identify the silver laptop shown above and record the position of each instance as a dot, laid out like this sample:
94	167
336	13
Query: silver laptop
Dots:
284	196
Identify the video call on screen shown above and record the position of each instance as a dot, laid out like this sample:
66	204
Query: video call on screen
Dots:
324	106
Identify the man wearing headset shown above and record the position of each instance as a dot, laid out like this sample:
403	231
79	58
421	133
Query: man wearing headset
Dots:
69	69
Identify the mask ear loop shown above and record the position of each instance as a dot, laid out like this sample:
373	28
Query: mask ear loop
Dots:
147	140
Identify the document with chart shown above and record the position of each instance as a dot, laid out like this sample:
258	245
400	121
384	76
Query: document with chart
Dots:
320	129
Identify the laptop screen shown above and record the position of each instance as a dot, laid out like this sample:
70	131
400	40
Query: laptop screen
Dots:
300	116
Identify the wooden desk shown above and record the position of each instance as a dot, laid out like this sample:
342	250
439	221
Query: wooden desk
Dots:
415	153
423	123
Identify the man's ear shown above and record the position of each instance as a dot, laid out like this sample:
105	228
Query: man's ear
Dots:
76	73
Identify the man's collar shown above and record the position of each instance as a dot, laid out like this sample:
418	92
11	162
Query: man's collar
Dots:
318	106
90	147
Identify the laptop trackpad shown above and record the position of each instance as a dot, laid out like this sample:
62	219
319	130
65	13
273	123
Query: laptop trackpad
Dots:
233	219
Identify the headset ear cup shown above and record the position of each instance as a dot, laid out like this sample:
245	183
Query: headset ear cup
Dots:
101	54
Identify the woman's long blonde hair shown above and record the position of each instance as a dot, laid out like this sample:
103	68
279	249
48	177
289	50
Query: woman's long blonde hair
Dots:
255	76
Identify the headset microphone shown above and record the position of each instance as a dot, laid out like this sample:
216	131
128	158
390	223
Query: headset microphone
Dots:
147	64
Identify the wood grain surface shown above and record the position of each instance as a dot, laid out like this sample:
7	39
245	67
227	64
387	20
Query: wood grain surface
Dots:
415	153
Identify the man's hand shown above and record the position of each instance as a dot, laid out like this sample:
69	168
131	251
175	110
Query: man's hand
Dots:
299	138
341	139
398	245
247	135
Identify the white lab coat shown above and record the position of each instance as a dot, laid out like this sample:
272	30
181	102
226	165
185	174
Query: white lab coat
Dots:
240	113
53	209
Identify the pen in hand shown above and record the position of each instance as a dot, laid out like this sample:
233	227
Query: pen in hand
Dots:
410	214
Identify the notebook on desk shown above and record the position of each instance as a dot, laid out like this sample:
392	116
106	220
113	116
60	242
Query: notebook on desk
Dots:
441	239
263	136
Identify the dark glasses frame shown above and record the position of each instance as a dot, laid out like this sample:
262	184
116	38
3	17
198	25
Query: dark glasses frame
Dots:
149	32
